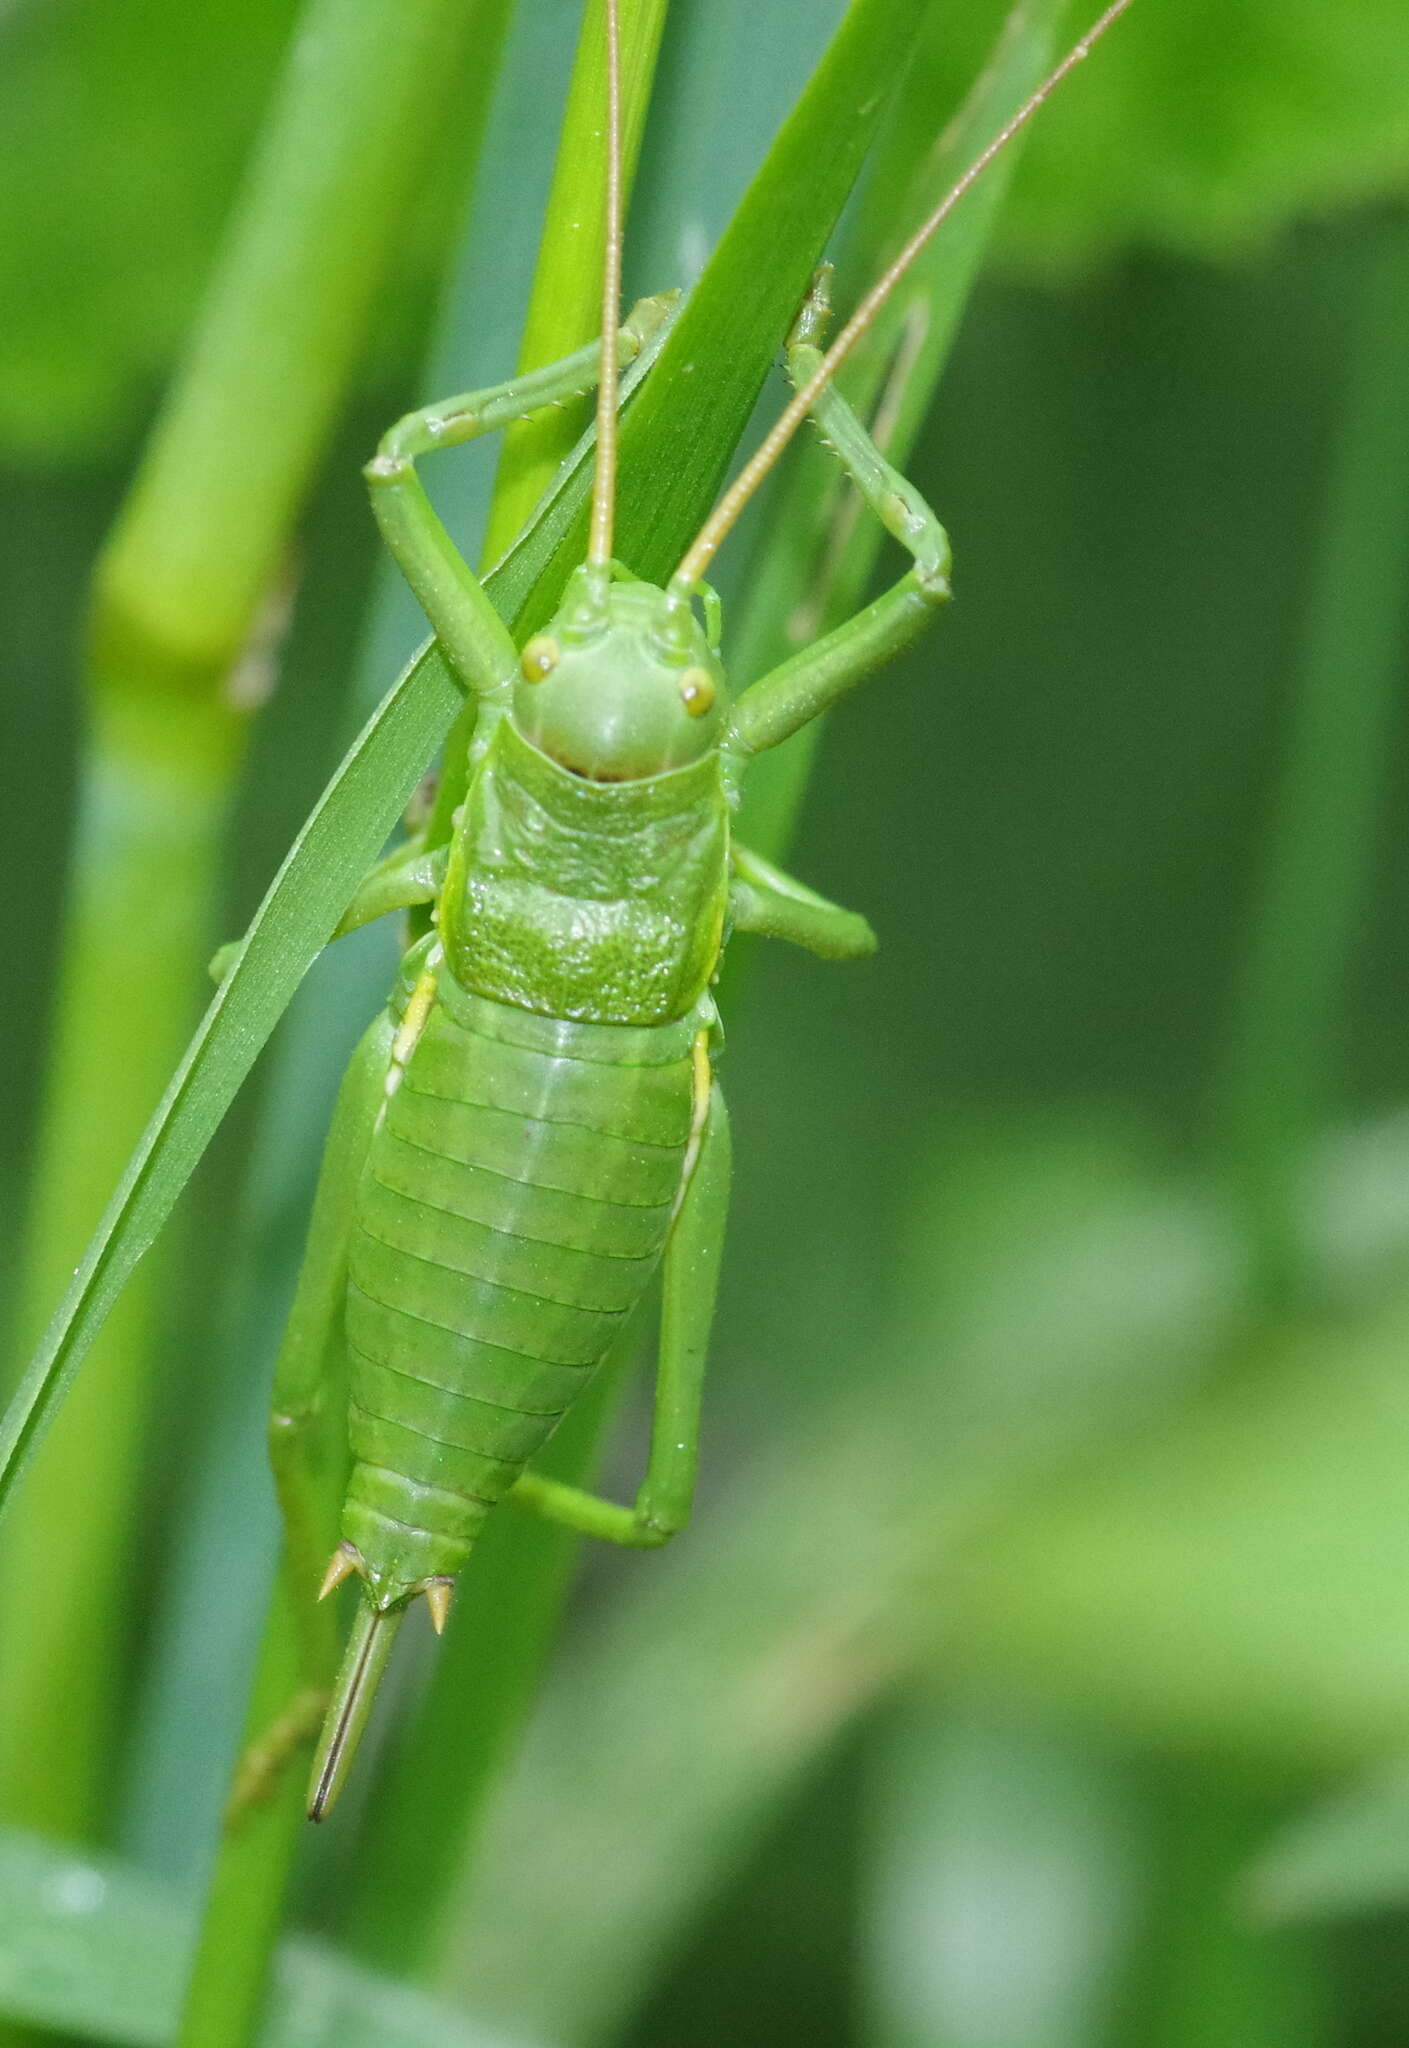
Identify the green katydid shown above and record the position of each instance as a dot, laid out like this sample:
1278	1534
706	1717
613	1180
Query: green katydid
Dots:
534	1125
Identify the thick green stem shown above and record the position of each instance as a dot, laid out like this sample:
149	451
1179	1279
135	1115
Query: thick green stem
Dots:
177	598
565	309
246	1899
203	530
1329	804
144	865
1217	1977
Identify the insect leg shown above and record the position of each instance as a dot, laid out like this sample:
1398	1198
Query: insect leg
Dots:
794	693
312	1361
691	1277
762	898
409	876
308	1456
469	629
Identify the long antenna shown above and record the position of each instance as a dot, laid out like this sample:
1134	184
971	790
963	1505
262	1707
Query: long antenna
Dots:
706	542
599	549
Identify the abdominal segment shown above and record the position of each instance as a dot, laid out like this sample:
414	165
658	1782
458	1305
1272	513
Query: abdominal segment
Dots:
515	1201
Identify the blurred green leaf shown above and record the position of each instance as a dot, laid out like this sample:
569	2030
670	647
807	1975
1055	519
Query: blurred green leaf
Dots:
125	129
1224	118
1004	1887
1054	1294
1065	1307
96	1948
1233	1578
1206	126
1348	1855
1209	1976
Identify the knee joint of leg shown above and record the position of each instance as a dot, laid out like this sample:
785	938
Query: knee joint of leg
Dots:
932	577
386	466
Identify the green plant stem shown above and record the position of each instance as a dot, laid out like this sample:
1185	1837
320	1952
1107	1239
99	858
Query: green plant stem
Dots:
1329	803
145	860
201	534
1216	1976
177	595
245	1902
565	309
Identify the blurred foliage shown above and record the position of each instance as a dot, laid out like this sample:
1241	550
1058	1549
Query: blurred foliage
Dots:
1043	1636
1213	126
98	1949
1224	119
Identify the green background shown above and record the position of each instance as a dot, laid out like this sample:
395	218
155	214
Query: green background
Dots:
1037	1670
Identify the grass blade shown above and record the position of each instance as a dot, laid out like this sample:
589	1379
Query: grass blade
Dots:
823	550
335	847
565	310
1322	837
676	445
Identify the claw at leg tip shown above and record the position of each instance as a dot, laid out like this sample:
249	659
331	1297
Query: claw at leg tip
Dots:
438	1597
340	1567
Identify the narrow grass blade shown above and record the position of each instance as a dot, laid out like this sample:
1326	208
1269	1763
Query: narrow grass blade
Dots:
823	547
1283	1080
676	444
338	843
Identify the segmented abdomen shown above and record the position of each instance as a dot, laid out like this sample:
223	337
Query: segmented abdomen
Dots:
515	1200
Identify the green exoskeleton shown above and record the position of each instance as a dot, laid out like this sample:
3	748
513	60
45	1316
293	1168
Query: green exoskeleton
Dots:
535	1125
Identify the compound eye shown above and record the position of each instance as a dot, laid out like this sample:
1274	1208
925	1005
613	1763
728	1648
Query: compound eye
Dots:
539	658
697	691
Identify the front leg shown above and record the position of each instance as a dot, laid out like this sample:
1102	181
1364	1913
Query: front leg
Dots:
794	693
475	639
691	1279
767	900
